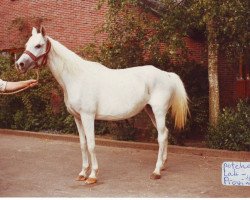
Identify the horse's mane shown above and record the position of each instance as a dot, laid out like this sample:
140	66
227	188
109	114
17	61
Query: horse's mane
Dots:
71	61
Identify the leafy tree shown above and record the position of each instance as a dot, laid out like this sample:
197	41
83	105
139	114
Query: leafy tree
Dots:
227	29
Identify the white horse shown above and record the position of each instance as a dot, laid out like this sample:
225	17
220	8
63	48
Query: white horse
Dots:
93	91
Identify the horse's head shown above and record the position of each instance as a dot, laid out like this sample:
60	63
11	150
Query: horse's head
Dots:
36	52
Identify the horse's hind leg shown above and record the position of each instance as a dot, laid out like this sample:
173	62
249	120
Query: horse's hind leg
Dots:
83	144
150	113
160	115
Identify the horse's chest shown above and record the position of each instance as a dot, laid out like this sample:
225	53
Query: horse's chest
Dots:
75	106
72	107
72	110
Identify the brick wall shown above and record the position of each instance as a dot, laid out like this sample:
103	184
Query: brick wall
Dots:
73	23
197	51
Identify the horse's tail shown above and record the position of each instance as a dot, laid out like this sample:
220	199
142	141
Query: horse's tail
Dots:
179	102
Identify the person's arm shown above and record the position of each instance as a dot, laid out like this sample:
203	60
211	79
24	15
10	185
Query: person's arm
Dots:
12	86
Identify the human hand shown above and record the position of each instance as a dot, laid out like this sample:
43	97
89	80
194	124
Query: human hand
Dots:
31	83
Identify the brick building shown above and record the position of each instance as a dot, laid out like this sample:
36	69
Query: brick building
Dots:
74	23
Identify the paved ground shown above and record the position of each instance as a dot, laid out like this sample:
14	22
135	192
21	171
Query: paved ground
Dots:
33	167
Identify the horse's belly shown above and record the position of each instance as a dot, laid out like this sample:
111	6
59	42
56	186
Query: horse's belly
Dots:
122	103
120	114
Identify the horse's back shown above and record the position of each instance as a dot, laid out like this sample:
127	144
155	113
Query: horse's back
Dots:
154	78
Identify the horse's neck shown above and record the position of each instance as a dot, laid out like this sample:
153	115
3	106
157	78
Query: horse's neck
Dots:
63	63
69	68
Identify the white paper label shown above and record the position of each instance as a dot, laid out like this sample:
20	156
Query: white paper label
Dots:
236	173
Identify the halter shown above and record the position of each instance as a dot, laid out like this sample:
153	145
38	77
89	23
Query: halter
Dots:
43	56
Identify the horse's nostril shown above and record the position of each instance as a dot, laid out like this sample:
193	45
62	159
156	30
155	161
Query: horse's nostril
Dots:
21	64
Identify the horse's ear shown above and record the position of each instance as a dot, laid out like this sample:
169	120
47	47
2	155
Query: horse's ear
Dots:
42	31
34	31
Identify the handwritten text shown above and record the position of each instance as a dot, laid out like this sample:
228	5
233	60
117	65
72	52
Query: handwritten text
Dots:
236	173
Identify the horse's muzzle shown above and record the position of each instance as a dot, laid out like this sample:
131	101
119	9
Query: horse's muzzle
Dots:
23	64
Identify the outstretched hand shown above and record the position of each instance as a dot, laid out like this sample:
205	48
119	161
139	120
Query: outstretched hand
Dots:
14	86
31	83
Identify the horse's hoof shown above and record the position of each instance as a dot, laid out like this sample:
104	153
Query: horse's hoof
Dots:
81	178
155	176
91	180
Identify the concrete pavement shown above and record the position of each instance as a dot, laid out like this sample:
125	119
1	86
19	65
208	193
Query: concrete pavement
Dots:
38	167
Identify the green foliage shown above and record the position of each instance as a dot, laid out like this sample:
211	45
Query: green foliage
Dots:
231	19
134	38
178	19
233	129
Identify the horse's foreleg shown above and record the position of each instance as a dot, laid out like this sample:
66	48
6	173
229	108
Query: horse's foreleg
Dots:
88	126
83	144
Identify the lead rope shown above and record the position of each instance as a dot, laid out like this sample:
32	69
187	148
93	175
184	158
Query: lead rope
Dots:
22	89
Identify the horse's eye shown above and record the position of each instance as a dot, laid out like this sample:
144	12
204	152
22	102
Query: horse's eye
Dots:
38	46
